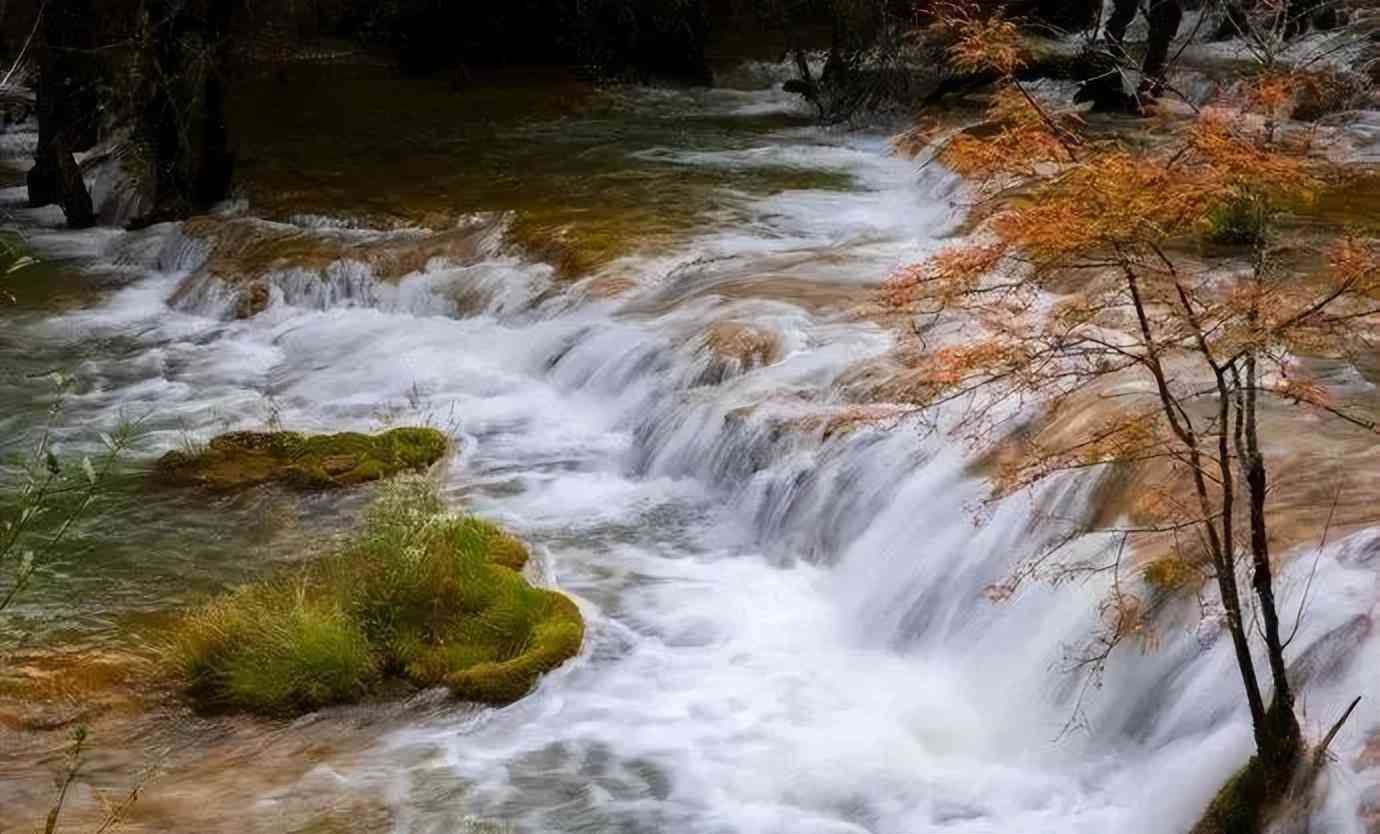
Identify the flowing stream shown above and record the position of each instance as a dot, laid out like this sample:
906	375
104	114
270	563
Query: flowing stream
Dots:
788	630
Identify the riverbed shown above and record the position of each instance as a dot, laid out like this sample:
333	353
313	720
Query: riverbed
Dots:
637	311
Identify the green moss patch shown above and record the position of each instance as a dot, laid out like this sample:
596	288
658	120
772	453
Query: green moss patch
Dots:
418	595
1240	806
1249	800
244	459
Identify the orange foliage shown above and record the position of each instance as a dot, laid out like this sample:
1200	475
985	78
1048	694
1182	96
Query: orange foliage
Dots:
982	42
1228	159
1015	140
1355	264
1301	389
1073	275
946	276
1272	94
1081	281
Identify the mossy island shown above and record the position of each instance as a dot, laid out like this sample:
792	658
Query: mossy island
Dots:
419	596
311	462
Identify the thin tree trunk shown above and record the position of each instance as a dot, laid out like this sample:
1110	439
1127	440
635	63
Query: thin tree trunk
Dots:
1284	733
1223	563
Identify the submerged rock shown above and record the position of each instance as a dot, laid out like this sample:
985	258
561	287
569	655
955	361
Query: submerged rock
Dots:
734	347
240	259
45	689
1327	657
244	459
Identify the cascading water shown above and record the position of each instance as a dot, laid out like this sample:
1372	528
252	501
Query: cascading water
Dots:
788	627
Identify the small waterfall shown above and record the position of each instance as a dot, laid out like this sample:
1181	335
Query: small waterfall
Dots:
789	630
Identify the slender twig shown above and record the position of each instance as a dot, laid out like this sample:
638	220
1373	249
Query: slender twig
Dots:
74	766
19	59
1321	750
1303	600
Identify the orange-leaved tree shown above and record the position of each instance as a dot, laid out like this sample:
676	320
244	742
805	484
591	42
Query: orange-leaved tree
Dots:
1085	310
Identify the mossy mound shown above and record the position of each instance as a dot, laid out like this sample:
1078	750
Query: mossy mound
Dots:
329	461
419	596
1248	801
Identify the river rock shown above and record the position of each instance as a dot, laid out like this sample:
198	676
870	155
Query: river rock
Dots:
1327	657
241	258
735	347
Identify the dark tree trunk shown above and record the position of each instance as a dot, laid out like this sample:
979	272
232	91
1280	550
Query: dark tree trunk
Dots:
183	119
68	91
1165	16
1298	15
76	200
44	184
1282	735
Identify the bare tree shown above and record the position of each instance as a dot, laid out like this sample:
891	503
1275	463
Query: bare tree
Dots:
1076	290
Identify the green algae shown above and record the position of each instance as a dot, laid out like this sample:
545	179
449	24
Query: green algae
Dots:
1352	205
418	596
311	462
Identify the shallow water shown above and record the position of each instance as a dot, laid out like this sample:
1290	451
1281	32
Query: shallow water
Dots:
788	632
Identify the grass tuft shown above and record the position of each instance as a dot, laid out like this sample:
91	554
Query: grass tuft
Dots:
420	595
275	647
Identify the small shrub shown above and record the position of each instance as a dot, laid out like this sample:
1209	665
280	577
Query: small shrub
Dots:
1170	574
431	598
1241	221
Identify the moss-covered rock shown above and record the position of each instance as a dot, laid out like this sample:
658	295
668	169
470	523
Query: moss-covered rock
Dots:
556	636
1250	800
1240	806
244	459
419	596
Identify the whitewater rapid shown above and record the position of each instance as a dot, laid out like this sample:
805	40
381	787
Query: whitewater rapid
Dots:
787	632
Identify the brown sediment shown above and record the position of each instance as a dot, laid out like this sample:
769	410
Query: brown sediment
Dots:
1369	757
609	286
46	689
573	250
211	775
